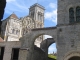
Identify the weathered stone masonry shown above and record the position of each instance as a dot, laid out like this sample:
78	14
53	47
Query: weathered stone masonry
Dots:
66	35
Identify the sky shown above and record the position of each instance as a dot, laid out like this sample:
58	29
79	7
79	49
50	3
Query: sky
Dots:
21	9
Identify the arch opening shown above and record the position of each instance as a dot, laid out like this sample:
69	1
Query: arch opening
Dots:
75	58
52	49
47	44
40	38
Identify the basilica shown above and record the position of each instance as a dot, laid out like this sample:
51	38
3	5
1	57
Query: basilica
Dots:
13	27
20	35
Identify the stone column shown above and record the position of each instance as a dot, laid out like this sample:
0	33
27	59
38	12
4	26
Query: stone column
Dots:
26	48
7	53
23	53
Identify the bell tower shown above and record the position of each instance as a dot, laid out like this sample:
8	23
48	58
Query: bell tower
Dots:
68	12
36	11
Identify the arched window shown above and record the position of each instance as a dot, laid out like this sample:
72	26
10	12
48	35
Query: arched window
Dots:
77	14
13	31
71	15
32	14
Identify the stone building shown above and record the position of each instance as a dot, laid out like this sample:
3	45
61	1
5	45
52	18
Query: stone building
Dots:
68	28
13	27
66	35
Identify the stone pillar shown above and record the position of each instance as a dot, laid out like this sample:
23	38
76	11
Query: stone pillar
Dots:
7	53
23	54
26	48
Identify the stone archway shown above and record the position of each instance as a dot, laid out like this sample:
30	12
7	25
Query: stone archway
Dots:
45	45
72	55
75	58
27	43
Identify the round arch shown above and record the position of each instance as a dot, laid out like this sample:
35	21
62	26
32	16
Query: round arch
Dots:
47	41
75	58
44	40
37	35
71	55
45	45
43	31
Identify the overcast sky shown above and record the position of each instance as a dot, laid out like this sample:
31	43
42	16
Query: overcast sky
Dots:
21	9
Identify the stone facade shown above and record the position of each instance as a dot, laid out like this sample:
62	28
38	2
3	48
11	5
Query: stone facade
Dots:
66	35
13	27
68	43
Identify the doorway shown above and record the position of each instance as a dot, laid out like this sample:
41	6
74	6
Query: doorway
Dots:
15	53
1	53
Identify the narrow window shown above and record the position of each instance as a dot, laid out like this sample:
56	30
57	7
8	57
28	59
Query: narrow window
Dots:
77	14
71	15
1	53
15	53
32	14
13	31
24	31
38	15
17	31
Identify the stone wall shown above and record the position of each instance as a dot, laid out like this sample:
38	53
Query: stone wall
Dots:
8	48
68	40
38	54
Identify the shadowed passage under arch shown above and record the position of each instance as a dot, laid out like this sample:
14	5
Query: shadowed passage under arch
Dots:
75	58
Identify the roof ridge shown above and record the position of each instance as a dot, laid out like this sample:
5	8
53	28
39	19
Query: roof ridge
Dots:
14	15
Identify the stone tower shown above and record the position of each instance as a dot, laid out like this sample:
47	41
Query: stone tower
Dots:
68	30
36	11
66	6
13	27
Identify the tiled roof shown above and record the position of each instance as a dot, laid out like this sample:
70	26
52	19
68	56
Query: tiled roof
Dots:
1	40
13	15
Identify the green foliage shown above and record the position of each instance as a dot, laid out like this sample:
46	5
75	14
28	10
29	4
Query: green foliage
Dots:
52	56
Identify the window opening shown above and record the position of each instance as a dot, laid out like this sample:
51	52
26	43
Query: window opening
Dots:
71	15
77	14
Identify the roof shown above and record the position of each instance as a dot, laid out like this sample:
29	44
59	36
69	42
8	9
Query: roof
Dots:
1	40
36	4
13	15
